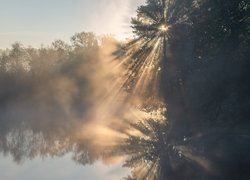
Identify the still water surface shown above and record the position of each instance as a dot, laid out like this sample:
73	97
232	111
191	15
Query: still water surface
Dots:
62	168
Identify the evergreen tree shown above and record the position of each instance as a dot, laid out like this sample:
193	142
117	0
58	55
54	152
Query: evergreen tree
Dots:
204	80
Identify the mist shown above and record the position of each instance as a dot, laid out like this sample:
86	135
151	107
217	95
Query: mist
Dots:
170	103
50	97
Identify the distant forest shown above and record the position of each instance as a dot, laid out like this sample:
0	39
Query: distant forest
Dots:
203	78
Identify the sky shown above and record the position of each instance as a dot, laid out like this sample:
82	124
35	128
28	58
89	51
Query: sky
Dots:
36	22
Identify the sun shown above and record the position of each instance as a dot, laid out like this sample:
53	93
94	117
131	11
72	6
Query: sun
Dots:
163	28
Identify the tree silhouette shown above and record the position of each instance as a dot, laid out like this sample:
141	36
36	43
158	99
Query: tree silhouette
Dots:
186	82
199	67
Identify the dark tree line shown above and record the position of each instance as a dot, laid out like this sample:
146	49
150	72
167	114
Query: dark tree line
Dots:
191	56
204	83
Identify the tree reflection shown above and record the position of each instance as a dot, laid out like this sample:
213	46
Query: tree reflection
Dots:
181	55
24	144
146	151
152	154
174	103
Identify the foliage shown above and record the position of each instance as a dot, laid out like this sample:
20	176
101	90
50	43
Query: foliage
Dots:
204	82
45	97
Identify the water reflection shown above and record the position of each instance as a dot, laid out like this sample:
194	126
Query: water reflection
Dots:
150	108
152	154
62	168
145	145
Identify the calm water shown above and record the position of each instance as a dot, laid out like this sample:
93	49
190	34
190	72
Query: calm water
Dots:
62	168
172	104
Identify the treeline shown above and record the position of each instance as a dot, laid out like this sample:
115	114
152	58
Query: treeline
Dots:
59	73
46	94
205	84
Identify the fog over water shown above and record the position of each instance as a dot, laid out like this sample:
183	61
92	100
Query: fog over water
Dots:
172	102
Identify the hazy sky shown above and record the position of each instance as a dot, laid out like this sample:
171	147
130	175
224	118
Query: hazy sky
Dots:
34	22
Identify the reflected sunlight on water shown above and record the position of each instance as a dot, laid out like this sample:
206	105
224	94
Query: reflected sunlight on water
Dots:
145	109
